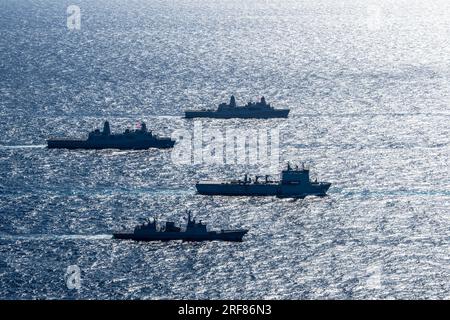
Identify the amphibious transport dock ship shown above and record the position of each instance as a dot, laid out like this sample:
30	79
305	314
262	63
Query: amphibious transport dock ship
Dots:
195	231
259	110
294	183
130	139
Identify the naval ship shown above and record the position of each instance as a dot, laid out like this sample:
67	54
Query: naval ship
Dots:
294	183
259	110
195	231
130	139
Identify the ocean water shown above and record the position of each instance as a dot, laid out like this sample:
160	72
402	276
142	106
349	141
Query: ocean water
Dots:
368	87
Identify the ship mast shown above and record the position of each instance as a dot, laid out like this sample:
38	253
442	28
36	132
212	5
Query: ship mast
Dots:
232	102
189	215
106	128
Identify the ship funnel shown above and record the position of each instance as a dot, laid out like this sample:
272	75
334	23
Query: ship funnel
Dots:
106	128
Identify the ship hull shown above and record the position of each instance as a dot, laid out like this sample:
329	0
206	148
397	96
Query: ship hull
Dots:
125	145
235	236
277	113
279	190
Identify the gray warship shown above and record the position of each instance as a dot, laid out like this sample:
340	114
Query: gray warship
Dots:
258	110
195	231
295	183
130	139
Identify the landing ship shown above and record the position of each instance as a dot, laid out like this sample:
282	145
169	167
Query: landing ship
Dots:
130	139
258	110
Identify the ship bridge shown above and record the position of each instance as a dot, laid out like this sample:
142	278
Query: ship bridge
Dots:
295	175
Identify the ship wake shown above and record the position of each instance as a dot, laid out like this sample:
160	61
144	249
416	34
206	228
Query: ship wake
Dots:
49	237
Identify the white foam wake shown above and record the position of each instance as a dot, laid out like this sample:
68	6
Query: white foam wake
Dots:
25	146
48	237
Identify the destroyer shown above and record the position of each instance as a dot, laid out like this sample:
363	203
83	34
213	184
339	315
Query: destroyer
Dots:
261	110
130	139
195	231
294	183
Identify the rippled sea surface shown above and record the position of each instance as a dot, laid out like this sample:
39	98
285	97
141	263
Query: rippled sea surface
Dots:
368	87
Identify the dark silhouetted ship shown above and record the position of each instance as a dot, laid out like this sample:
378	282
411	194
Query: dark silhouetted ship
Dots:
294	183
195	231
130	139
259	110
